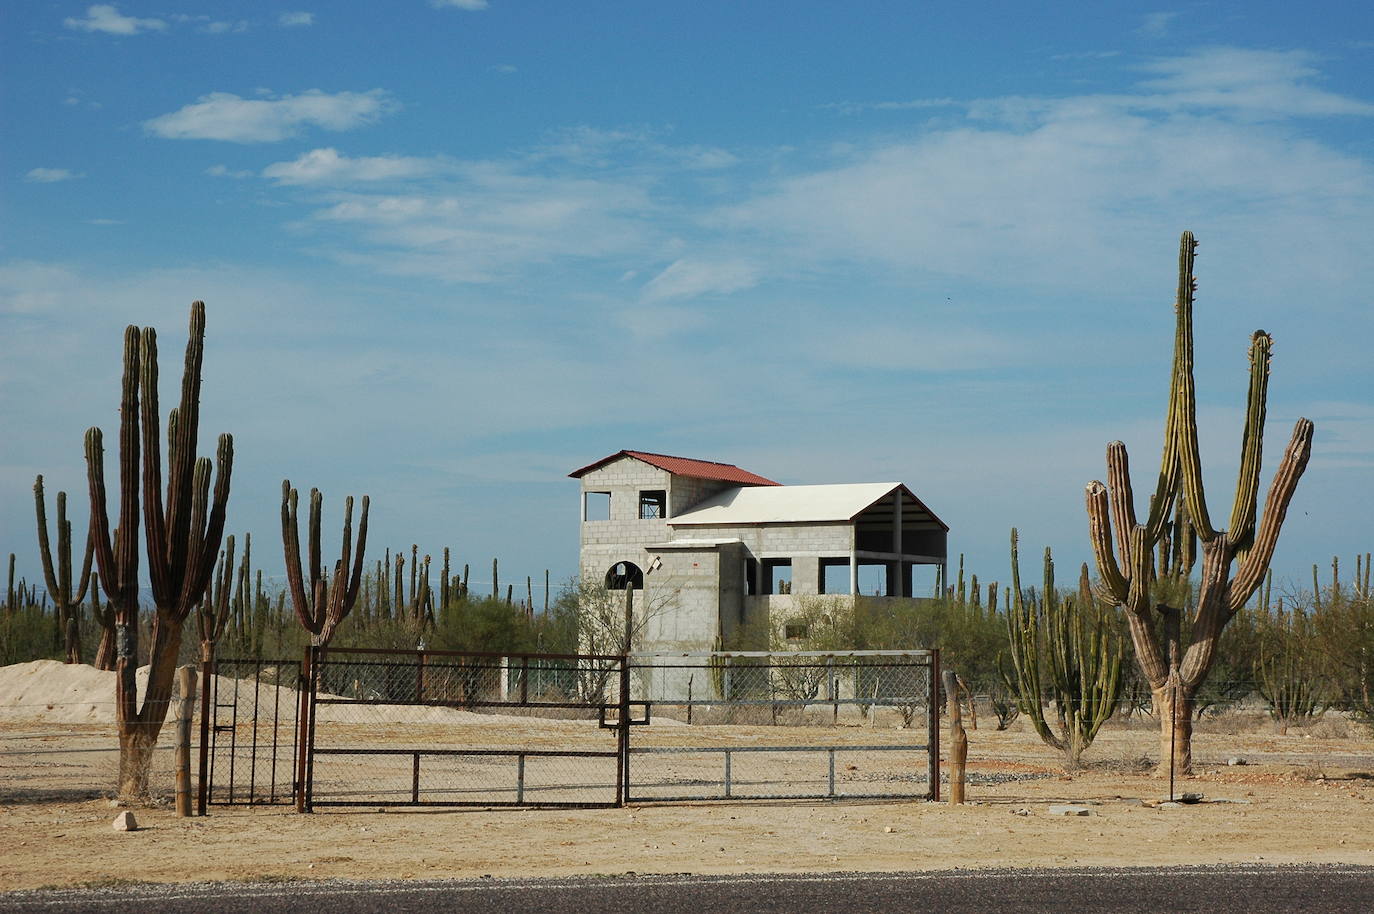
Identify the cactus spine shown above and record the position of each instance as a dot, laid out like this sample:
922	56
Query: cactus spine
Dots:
1062	647
1124	549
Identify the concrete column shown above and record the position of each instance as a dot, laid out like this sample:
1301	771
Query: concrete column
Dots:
806	574
854	566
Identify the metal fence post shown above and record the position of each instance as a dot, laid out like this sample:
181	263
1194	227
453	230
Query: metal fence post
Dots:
304	689
933	726
207	673
623	789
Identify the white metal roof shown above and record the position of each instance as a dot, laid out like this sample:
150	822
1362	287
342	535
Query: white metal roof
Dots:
785	504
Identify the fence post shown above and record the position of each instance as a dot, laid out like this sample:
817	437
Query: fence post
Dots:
207	672
304	686
933	727
623	791
186	681
958	750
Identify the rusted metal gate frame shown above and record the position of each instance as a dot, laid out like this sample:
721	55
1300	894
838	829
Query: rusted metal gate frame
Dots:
211	728
316	657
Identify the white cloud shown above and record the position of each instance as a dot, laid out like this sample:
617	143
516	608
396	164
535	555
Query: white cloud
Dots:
51	175
104	221
224	171
482	221
321	166
106	18
1241	80
225	116
686	278
223	27
503	68
1156	25
1066	192
288	20
469	5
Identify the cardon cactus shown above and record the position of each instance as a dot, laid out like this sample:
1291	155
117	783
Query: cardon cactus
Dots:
67	604
183	533
326	603
1124	549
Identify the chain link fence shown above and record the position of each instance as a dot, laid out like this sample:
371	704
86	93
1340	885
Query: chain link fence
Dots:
775	725
437	728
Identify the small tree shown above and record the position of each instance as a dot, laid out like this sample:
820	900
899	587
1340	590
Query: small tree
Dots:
1062	647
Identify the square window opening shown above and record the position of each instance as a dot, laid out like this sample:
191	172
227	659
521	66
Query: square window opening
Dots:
596	506
653	504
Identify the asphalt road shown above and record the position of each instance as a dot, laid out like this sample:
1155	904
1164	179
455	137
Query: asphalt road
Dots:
1215	890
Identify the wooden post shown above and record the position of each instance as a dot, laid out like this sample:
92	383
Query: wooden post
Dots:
972	711
186	681
958	740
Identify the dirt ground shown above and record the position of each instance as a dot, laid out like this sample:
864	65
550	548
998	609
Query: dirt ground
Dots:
1302	797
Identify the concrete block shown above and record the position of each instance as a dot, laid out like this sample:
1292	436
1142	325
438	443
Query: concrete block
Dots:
125	821
1069	809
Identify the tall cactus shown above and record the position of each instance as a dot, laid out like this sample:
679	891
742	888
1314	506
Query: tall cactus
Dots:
321	608
1124	549
1062	648
65	603
183	533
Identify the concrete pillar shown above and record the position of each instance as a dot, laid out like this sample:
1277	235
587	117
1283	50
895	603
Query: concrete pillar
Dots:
806	574
854	566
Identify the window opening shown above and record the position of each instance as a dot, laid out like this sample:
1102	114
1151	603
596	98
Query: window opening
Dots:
623	575
653	504
777	576
596	505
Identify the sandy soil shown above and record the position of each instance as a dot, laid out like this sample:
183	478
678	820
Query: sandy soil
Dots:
1305	797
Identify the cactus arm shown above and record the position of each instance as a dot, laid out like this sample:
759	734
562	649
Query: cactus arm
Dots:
356	582
1100	534
44	549
1122	498
1183	411
291	541
182	429
1241	531
154	511
1276	503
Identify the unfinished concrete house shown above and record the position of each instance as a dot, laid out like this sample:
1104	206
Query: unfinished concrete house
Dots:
714	547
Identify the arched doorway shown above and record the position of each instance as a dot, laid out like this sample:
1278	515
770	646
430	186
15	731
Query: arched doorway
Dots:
623	575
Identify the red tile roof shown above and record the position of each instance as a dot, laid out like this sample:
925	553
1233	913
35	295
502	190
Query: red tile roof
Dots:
685	466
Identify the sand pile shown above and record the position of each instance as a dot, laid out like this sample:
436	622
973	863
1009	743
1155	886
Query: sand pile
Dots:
47	690
59	692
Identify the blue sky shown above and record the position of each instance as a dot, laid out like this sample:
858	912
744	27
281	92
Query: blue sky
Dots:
452	250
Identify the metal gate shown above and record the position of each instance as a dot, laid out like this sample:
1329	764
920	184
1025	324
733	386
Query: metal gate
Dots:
249	732
444	728
785	725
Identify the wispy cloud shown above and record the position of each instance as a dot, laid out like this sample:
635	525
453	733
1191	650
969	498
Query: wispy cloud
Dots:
469	5
229	117
326	166
687	278
1156	25
51	175
295	19
1245	81
106	18
224	171
104	221
914	104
